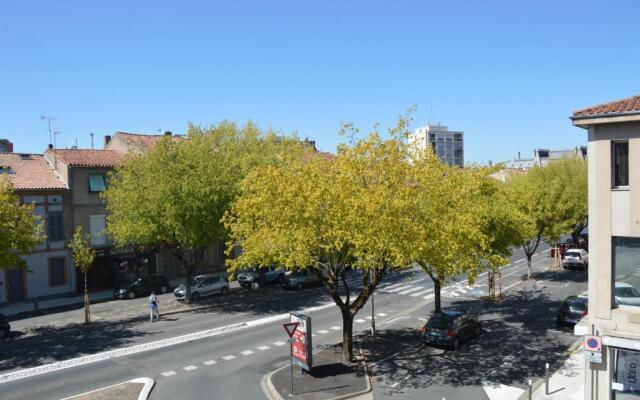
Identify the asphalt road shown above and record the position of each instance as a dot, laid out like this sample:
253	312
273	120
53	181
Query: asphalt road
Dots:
230	365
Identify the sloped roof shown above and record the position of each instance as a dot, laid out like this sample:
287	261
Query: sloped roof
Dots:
87	158
624	106
30	172
142	141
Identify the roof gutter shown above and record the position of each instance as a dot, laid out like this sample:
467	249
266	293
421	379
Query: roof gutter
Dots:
605	118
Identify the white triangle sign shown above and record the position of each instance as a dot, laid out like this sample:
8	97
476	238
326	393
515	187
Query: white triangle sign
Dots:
290	328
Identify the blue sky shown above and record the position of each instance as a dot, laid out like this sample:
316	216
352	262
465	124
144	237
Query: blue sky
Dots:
507	73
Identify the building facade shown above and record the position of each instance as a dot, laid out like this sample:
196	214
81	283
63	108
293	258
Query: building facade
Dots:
447	145
50	268
541	157
614	234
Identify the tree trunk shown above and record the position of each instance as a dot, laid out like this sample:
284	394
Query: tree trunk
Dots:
262	277
436	292
347	335
529	255
87	311
188	269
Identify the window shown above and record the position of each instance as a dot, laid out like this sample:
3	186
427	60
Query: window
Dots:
626	270
96	183
57	272
56	227
620	163
97	225
626	375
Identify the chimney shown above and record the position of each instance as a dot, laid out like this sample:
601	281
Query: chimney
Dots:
167	133
107	139
6	146
518	155
50	146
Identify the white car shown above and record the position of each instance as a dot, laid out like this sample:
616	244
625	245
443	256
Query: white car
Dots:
625	294
575	258
204	285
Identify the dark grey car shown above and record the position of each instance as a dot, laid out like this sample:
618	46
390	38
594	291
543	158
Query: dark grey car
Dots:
450	328
300	279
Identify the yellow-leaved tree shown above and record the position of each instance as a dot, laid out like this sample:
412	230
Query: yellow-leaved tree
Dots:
329	216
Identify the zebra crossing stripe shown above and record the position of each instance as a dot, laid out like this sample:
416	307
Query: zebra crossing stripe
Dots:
168	373
422	293
411	290
397	289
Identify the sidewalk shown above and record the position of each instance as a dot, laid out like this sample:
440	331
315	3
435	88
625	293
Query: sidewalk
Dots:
567	383
37	306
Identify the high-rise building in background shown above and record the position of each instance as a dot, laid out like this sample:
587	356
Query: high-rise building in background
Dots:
447	145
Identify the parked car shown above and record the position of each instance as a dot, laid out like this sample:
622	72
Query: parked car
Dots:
272	275
575	258
450	328
5	327
300	279
142	286
626	294
572	310
203	285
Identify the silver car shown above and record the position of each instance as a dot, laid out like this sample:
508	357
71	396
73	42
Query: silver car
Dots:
247	277
300	279
204	285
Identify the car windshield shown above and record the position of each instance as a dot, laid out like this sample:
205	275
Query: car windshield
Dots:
299	273
439	323
627	292
572	254
577	306
196	281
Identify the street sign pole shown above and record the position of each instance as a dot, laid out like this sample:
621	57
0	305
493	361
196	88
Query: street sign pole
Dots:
291	366
290	328
373	315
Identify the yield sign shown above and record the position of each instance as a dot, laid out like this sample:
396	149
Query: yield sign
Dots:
290	328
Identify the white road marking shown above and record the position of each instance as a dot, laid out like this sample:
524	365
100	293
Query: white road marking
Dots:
210	362
455	294
263	347
398	289
279	343
411	290
359	321
498	391
189	368
335	328
431	296
381	314
369	317
421	293
246	352
229	357
395	384
323	331
168	373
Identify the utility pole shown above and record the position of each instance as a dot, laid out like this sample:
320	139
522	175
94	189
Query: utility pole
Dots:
91	140
373	315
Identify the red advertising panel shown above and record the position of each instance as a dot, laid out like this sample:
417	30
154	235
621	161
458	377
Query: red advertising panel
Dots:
301	348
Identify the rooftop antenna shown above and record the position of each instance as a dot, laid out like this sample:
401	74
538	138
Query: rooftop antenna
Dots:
48	118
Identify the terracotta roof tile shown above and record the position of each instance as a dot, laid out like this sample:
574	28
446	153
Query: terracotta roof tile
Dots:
29	172
141	141
614	107
87	158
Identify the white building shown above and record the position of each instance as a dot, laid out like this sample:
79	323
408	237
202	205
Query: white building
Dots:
447	145
542	156
614	244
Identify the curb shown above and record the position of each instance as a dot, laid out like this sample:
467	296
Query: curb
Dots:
540	381
144	393
272	393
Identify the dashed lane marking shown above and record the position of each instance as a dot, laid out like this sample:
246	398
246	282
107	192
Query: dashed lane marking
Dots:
189	368
168	373
335	328
279	343
369	317
246	352
359	321
229	357
263	347
428	297
323	331
381	314
210	362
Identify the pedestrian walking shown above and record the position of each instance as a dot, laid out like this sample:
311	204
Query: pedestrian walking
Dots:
154	312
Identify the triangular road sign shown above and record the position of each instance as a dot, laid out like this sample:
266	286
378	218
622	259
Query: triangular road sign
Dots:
290	328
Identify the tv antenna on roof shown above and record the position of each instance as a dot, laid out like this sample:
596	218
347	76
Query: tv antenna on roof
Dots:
49	118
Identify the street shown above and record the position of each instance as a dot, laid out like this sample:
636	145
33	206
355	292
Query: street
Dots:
519	337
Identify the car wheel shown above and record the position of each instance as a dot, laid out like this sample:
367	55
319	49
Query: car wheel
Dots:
4	333
456	343
299	286
164	289
224	290
195	296
131	295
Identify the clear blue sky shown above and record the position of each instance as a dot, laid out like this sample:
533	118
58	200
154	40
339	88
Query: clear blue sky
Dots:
507	73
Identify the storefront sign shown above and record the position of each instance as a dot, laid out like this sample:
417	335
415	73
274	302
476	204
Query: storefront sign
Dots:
302	349
628	370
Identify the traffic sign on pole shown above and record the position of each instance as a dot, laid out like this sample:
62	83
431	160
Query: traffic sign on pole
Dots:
290	328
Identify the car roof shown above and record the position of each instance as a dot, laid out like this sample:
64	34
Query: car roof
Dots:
576	299
578	250
623	284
